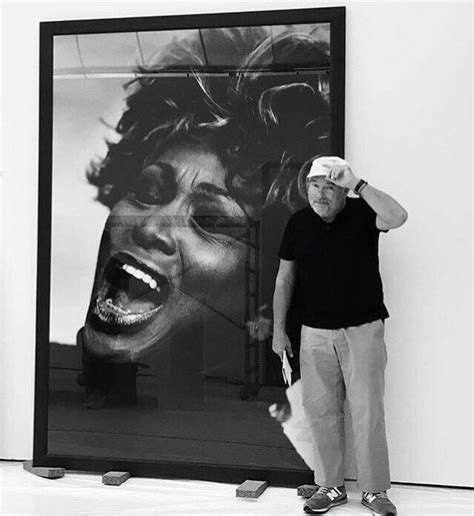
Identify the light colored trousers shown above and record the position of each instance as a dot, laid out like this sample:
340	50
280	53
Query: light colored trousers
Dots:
338	363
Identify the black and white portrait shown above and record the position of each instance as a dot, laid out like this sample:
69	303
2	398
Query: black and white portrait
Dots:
178	157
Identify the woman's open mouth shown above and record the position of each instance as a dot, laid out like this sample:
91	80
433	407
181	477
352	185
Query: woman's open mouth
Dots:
131	293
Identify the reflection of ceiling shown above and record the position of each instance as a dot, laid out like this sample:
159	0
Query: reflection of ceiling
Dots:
122	53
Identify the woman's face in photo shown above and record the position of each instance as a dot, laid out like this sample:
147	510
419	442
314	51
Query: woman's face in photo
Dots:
172	252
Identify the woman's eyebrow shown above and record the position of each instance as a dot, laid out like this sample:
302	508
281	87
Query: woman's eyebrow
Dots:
212	190
162	164
204	188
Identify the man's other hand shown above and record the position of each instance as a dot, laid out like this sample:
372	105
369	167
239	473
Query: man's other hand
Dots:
280	343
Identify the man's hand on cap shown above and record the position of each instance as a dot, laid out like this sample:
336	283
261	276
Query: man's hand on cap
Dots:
342	175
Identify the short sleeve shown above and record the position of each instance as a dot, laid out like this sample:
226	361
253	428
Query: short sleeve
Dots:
287	251
370	216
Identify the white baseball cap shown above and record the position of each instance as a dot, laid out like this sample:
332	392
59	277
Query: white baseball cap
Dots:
321	166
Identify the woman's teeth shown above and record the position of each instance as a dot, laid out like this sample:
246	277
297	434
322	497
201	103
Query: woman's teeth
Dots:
117	308
113	314
126	305
138	274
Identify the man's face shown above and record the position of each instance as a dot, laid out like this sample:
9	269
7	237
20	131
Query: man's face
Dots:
172	251
325	198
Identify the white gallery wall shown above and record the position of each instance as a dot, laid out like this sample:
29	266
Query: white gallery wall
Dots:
408	131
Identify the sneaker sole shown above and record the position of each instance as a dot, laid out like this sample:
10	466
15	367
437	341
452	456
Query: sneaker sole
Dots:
390	513
321	511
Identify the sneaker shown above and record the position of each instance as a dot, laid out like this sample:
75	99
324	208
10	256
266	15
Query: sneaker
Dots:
325	498
379	504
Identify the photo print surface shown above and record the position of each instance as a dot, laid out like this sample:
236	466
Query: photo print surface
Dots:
177	158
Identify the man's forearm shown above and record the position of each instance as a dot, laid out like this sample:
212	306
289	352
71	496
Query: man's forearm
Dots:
385	206
390	214
281	303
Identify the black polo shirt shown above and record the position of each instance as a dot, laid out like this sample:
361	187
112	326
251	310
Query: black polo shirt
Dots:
338	265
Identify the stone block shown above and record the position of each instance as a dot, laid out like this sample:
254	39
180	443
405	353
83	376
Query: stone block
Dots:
43	471
307	490
115	478
251	489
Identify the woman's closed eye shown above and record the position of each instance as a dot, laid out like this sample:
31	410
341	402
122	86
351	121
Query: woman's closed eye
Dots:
219	222
155	184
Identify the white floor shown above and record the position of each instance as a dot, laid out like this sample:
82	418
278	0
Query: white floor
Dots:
22	493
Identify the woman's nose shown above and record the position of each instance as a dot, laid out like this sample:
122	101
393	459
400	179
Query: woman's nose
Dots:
156	231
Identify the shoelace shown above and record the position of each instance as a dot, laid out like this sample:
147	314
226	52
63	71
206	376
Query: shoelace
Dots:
325	490
372	496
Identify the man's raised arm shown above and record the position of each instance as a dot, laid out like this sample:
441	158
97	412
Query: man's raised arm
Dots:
390	214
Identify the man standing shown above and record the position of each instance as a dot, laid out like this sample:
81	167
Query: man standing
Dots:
332	246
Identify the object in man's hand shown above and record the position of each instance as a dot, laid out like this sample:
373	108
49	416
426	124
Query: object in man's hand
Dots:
286	369
296	427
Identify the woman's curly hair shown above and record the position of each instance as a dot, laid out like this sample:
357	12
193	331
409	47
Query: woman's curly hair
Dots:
265	127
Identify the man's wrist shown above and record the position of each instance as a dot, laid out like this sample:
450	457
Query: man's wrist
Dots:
361	184
354	183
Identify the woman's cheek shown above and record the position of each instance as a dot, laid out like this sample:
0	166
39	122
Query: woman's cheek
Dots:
120	222
212	264
215	276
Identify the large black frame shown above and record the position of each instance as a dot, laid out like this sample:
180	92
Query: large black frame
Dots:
334	16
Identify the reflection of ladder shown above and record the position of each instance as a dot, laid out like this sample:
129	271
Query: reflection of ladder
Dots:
252	300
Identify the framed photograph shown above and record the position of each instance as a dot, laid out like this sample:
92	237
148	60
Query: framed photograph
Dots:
172	152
